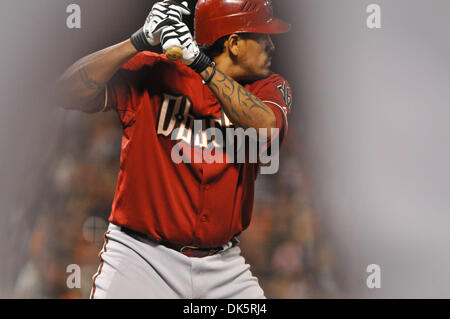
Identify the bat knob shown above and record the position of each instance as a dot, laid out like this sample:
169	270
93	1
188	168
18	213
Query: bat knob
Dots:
174	53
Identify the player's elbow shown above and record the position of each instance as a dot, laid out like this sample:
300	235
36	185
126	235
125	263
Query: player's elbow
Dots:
64	99
268	125
61	97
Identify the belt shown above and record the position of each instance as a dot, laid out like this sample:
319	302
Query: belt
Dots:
189	251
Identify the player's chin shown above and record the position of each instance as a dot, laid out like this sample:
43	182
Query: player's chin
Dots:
257	74
264	72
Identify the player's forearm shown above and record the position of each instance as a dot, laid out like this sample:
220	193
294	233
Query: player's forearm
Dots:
86	78
242	107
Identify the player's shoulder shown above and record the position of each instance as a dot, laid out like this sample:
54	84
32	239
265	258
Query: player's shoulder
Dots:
274	88
274	80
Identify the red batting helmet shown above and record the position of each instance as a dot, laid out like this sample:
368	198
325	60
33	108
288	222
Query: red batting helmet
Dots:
217	18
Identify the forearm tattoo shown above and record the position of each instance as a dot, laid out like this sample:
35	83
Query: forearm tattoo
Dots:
240	103
89	82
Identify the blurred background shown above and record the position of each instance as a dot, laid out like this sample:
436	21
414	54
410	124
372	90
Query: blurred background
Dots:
364	173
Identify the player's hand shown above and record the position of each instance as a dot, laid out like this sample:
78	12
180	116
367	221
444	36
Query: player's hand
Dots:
159	16
178	35
163	14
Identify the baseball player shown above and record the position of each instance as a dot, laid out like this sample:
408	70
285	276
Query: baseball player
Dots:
174	223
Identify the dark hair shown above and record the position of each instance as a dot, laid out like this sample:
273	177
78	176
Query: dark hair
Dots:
218	47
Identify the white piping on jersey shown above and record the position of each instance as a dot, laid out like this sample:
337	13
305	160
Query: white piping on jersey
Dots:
283	110
106	98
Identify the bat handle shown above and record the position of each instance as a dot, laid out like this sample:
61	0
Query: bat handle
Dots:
174	53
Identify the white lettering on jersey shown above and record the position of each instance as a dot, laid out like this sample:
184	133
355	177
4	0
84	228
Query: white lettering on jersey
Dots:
175	116
172	105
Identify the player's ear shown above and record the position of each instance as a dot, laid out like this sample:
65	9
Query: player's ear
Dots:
232	44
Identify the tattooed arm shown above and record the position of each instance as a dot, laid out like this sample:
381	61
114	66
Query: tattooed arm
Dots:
80	86
242	107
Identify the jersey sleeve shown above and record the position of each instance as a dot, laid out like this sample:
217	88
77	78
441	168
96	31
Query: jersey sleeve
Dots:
276	93
129	81
122	92
119	97
119	91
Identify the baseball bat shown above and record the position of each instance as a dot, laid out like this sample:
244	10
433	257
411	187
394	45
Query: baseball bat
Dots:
174	53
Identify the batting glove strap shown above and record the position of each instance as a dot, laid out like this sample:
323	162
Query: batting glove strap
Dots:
200	63
139	41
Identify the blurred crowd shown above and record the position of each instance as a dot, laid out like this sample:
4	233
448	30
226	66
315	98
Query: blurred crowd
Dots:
284	244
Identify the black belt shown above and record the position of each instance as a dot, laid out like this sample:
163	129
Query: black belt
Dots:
190	251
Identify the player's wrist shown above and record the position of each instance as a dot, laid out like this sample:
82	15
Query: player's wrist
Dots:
139	41
209	73
201	63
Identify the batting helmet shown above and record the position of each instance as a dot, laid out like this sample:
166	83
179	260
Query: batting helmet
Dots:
217	18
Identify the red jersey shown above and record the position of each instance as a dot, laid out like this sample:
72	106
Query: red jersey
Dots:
199	204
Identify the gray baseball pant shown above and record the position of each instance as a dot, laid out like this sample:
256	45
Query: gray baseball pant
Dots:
131	268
